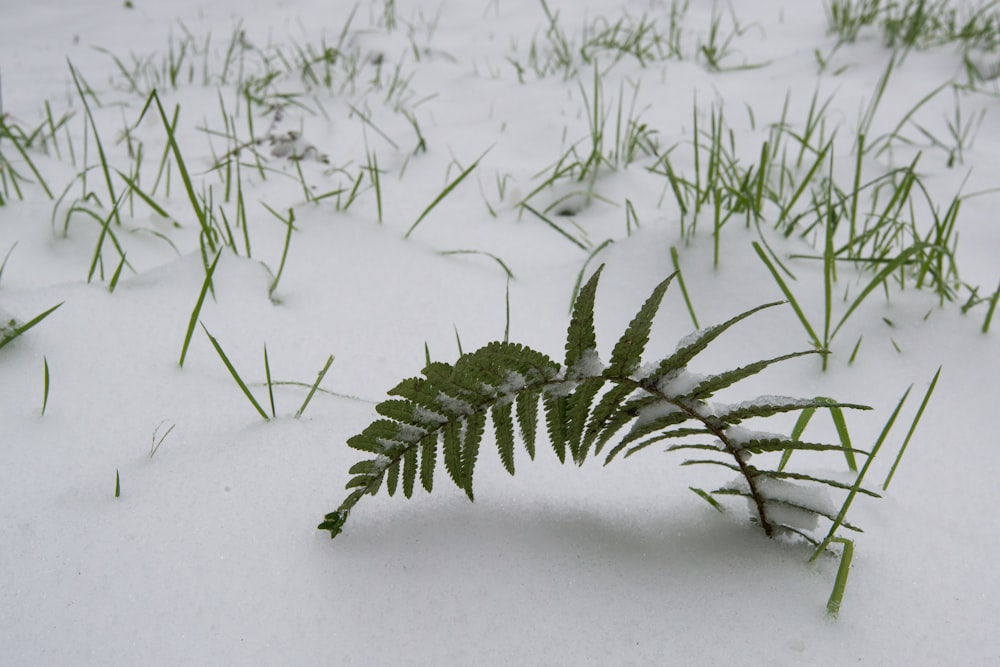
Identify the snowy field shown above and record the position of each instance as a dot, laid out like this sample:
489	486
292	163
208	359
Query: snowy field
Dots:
265	184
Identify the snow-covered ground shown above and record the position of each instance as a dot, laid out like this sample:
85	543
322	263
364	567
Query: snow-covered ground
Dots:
209	554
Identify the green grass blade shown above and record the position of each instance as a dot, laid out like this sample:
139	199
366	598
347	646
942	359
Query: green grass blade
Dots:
9	333
503	265
546	220
837	595
879	279
683	286
5	132
444	193
197	307
788	295
236	376
857	482
198	209
913	427
989	312
797	430
270	385
704	495
315	386
45	394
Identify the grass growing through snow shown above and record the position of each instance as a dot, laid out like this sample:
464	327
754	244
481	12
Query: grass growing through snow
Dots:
793	185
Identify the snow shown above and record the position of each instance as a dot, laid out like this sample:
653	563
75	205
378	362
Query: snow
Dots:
588	365
210	554
653	412
679	383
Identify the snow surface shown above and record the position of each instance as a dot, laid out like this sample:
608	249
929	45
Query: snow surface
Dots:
210	555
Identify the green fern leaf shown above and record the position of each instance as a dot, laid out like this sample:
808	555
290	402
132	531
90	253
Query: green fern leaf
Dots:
578	409
555	422
392	478
585	405
766	406
714	383
334	521
600	417
787	503
629	410
409	471
580	338
675	433
785	474
526	405
376	437
627	354
758	445
780	444
697	342
452	443
428	457
656	417
503	425
474	427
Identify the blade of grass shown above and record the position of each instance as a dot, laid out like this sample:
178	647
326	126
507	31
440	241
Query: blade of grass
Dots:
989	312
45	391
270	385
837	595
913	427
680	281
290	223
554	226
861	475
198	209
197	307
444	193
315	386
880	278
788	295
503	265
97	139
797	430
8	334
154	444
236	375
3	264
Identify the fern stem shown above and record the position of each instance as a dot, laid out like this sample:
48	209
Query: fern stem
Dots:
718	432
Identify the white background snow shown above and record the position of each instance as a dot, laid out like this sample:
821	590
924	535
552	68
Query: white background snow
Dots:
211	556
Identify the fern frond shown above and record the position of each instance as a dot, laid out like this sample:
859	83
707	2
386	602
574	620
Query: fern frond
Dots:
627	354
714	383
503	424
601	428
578	410
409	471
526	405
694	344
428	456
767	406
580	338
555	422
585	405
